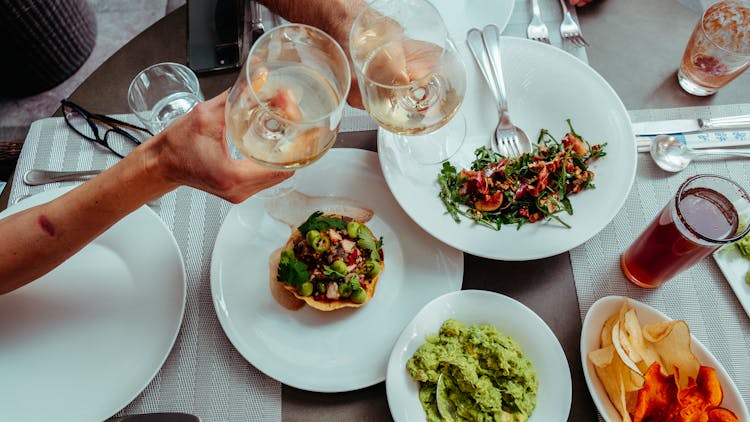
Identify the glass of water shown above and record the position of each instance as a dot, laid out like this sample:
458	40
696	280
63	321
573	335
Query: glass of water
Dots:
161	93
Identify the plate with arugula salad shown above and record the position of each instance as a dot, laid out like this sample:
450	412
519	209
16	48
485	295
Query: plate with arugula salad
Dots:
544	203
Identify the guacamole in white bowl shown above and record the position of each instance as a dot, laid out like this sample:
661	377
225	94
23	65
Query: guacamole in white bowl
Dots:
530	379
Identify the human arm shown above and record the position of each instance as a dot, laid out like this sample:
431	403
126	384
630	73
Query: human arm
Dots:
192	152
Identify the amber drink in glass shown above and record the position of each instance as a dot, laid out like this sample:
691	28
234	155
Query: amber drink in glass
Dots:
707	212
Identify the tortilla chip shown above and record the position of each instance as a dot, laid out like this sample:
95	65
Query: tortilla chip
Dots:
656	398
720	414
671	340
607	369
704	392
605	338
646	354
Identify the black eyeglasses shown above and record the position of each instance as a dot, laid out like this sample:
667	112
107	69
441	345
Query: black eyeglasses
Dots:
119	137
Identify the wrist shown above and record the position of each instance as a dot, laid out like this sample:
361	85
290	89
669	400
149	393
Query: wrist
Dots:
149	169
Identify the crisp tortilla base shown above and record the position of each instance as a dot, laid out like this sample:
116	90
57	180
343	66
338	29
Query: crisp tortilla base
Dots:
333	304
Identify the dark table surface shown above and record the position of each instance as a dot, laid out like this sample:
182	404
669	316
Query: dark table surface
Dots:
631	48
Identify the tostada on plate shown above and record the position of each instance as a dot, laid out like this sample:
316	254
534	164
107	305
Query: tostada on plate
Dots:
331	261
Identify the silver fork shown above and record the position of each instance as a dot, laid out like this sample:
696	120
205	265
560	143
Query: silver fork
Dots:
569	29
537	30
508	140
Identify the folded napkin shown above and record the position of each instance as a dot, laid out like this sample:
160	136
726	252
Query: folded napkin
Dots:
712	139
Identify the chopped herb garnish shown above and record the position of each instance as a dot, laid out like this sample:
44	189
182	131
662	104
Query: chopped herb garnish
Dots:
332	274
365	241
291	270
316	222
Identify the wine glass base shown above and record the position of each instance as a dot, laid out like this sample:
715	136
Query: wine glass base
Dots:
438	146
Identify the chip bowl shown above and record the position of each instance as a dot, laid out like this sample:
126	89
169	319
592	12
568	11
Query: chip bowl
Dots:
590	334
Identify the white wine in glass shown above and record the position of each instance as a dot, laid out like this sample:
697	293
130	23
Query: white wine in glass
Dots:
411	76
285	109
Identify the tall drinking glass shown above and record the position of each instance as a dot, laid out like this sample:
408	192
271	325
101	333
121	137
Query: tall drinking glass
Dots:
410	75
707	212
719	48
285	108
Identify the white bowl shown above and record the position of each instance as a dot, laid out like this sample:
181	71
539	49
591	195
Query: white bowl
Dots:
592	327
509	317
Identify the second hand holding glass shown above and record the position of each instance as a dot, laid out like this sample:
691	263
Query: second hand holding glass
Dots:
410	76
285	108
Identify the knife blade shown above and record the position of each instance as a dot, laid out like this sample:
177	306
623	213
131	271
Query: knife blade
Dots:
690	125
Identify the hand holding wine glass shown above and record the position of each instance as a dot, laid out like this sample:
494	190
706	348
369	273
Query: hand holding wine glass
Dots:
410	76
285	108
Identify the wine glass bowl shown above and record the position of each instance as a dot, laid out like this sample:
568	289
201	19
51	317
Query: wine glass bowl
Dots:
410	75
285	108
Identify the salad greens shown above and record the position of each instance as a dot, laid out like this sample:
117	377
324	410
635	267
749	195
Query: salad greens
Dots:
498	190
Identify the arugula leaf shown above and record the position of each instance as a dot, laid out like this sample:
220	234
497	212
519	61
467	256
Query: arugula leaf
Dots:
292	271
316	222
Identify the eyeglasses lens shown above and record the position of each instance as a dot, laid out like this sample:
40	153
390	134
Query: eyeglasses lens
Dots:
120	143
80	124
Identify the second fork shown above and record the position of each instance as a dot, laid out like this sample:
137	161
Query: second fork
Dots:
569	29
537	30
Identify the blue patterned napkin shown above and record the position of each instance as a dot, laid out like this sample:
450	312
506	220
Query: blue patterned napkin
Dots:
713	139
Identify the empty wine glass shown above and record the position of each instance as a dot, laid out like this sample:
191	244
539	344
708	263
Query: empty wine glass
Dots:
285	108
410	75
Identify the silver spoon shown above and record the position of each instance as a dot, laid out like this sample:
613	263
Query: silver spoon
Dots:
672	155
508	139
446	408
36	177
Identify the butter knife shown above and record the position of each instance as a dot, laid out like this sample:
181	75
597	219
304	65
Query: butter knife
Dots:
36	177
690	125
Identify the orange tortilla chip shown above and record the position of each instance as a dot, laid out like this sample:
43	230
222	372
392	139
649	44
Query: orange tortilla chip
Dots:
661	399
705	392
656	398
720	414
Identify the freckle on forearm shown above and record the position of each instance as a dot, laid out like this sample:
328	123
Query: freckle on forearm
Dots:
46	225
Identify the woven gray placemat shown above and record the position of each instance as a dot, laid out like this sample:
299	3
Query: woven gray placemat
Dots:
701	295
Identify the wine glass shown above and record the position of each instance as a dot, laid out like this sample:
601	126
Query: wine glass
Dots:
285	108
410	75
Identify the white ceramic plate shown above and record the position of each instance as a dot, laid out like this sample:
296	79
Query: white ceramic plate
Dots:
459	16
592	327
509	317
735	268
81	342
545	86
333	351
